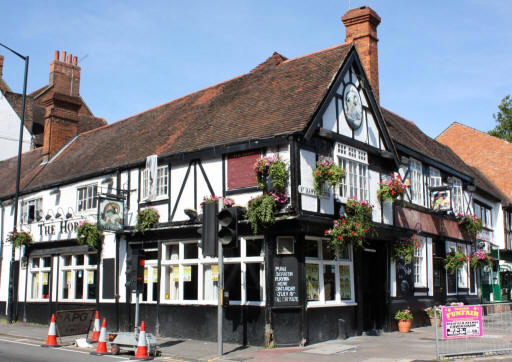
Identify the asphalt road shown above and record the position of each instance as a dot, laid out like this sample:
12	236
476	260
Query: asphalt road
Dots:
27	351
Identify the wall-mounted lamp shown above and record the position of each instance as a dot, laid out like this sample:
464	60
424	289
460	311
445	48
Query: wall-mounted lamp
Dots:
48	216
59	213
69	214
39	217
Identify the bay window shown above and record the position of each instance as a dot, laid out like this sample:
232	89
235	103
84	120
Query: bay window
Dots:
329	277
355	164
188	277
40	275
78	277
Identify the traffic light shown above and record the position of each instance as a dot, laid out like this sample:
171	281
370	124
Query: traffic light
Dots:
209	229
228	222
135	269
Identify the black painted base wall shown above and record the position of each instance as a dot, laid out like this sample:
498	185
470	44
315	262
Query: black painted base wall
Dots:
242	324
323	323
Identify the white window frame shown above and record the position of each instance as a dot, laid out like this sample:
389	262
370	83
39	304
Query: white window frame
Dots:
355	164
151	266
201	262
420	269
462	277
321	302
40	270
74	268
91	199
38	209
480	207
435	177
416	181
162	183
458	200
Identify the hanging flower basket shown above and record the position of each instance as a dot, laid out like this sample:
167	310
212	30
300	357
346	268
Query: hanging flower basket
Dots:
454	261
480	259
260	212
470	223
88	234
392	189
271	173
346	231
19	239
404	249
359	210
327	172
146	219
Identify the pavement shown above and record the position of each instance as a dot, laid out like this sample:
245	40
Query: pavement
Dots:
418	345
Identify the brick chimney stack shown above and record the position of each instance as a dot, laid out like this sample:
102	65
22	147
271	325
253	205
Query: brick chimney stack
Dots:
65	74
1	65
361	29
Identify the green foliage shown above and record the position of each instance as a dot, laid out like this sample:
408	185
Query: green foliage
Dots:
454	261
391	189
360	211
404	314
146	219
503	119
404	249
480	259
19	239
87	233
260	212
274	169
327	171
471	223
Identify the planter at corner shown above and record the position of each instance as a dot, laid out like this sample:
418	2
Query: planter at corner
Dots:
433	322
404	325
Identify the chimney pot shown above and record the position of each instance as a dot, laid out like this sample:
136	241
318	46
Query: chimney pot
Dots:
361	29
56	56
69	58
64	56
65	74
75	61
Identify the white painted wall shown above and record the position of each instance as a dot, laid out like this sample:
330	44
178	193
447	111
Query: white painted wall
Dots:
10	131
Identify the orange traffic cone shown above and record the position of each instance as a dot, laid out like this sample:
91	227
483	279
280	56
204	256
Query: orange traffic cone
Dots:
101	348
142	345
96	330
51	340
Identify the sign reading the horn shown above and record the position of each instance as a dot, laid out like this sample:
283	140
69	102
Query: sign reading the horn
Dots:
110	214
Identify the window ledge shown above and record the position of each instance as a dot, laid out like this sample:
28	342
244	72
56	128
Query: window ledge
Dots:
327	305
157	201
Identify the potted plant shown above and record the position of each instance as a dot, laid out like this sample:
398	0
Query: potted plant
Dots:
89	234
19	239
404	249
228	201
327	172
404	318
271	173
146	219
454	261
430	314
471	224
391	189
479	259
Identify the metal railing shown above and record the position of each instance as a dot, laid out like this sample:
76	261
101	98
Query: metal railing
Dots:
496	334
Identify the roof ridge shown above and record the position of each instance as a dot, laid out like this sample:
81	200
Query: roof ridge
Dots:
318	51
482	132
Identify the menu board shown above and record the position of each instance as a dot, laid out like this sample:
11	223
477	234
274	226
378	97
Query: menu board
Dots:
286	291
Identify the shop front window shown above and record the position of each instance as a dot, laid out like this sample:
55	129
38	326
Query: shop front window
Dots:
78	279
40	274
463	281
188	277
329	277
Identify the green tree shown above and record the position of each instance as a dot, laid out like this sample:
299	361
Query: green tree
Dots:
503	119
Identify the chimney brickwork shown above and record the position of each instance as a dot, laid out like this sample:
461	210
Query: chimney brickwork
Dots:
65	74
1	65
361	29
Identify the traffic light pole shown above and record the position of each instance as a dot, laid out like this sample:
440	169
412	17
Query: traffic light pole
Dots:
220	311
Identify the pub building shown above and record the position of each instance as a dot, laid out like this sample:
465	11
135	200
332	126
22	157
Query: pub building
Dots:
285	284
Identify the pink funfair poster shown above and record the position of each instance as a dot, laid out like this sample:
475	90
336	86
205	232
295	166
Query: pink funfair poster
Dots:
462	321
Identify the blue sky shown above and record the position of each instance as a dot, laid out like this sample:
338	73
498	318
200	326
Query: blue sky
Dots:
439	61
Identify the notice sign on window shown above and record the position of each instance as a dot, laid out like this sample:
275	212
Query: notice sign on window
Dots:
462	322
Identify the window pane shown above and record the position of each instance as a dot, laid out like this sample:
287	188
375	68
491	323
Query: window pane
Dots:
66	260
79	259
172	285
311	249
210	282
66	283
145	288
35	262
329	284
93	259
327	253
79	284
190	282
46	285
152	254
47	261
232	252
172	252
35	285
344	254
232	281
345	290
91	284
312	286
190	250
254	289
254	247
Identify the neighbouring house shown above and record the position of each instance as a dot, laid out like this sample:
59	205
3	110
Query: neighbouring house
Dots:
320	263
491	156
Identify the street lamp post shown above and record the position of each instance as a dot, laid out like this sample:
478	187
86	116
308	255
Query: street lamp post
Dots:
10	309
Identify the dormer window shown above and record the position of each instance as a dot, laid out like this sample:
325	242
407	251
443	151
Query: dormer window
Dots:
161	188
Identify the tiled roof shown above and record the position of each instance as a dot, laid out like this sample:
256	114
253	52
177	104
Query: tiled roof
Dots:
278	98
407	134
491	155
